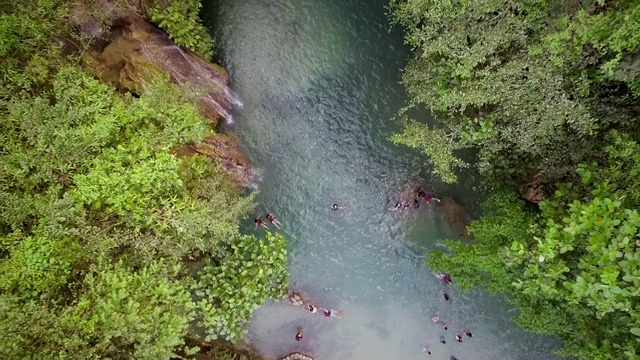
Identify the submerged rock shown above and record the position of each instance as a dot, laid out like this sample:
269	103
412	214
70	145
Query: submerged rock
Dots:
455	215
296	356
225	148
296	299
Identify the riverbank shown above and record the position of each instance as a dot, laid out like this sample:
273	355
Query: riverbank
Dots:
112	181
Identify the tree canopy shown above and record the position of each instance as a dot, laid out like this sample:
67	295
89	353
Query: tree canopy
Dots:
99	215
544	89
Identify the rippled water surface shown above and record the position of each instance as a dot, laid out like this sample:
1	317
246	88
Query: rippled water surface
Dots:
319	81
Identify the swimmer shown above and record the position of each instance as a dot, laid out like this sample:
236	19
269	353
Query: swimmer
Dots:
428	198
337	207
445	295
446	278
421	194
458	337
435	319
299	334
312	308
445	327
425	349
405	206
260	223
453	358
397	207
442	340
416	203
468	332
333	313
274	221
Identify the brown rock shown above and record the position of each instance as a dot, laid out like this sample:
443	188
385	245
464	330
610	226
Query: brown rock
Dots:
455	216
533	190
139	52
225	148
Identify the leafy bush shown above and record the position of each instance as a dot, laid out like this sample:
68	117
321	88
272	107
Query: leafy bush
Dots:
573	270
231	286
180	19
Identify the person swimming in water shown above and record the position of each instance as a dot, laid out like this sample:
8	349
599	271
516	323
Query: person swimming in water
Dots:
421	194
468	332
435	319
416	203
453	358
299	334
260	223
442	340
446	278
312	308
405	206
398	206
337	207
274	221
459	337
445	295
425	349
428	198
333	313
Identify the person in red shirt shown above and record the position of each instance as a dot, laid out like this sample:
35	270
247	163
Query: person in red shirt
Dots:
274	221
260	223
333	313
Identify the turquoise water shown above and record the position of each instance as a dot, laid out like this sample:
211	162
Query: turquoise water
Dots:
319	81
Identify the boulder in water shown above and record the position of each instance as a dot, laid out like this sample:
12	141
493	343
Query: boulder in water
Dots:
296	299
455	215
296	356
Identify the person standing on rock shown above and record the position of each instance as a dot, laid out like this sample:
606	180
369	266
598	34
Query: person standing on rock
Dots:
274	221
260	223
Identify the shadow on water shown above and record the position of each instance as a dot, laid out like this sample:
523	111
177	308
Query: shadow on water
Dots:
319	81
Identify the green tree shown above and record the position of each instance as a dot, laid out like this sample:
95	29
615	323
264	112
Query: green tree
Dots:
573	269
181	21
495	77
232	285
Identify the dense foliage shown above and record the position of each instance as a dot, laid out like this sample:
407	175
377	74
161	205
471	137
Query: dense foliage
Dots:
98	213
533	85
181	21
544	90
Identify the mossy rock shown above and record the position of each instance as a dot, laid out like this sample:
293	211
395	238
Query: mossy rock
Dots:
137	73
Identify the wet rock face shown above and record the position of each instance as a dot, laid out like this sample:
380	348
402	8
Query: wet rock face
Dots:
225	149
455	215
138	52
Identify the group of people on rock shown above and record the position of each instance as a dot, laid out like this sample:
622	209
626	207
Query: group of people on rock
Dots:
272	220
419	195
446	280
297	300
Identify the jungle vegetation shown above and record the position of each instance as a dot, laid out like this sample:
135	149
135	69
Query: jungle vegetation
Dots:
546	92
101	222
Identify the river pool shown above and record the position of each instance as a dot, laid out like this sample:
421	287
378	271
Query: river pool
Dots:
319	81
